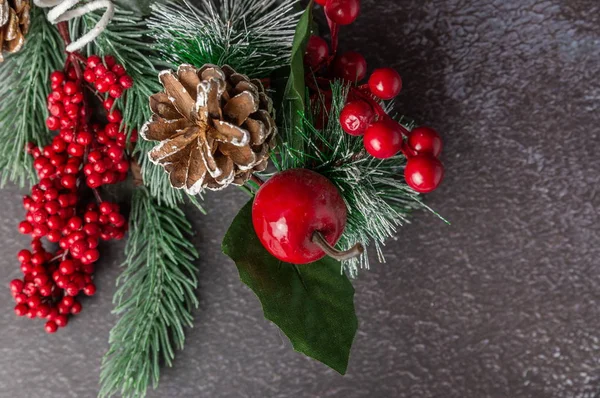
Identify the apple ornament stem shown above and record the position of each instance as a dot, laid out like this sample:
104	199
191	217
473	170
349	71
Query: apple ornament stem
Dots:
299	216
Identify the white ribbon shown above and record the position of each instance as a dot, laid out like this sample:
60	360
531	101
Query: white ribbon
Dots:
62	12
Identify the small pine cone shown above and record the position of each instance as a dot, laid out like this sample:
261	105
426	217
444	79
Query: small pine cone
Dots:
215	127
14	24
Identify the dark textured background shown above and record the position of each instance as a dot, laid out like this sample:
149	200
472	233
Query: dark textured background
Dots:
503	303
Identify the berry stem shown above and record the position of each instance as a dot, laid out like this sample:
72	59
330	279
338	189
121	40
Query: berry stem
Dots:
358	93
256	180
97	195
355	251
63	30
335	30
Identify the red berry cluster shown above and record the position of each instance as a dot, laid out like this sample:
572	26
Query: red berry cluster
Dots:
108	76
56	209
385	138
363	114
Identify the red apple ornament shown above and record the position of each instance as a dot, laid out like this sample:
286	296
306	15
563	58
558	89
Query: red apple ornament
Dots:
299	215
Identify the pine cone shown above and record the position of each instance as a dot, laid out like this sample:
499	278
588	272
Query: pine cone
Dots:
14	25
215	127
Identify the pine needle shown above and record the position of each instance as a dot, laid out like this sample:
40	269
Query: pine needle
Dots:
24	89
154	301
252	36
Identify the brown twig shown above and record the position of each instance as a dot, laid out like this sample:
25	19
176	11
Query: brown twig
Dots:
355	251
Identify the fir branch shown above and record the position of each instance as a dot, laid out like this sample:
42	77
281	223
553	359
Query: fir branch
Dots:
377	197
154	300
252	36
127	39
23	93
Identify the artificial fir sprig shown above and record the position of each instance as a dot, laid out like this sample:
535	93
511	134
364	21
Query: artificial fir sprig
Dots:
127	39
154	300
254	37
23	95
377	197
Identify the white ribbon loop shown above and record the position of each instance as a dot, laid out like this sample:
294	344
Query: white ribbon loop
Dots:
62	12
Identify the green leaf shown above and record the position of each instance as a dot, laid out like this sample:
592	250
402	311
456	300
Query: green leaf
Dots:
295	90
312	304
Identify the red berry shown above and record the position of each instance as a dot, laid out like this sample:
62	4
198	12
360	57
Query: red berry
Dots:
46	290
126	82
84	138
51	327
291	207
21	310
94	180
62	282
342	12
70	88
356	117
118	70
100	70
384	139
89	76
57	77
109	78
91	217
115	153
67	267
43	310
116	219
89	290
16	286
68	301
34	302
115	91
24	256
20	298
41	280
91	256
93	61
75	150
56	110
110	61
61	321
317	52
424	173
108	103
53	123
350	66
115	116
94	156
69	181
25	228
385	83
122	166
102	87
77	98
75	223
106	208
72	289
76	308
425	141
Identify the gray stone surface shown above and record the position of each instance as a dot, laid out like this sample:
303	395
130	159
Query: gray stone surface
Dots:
503	303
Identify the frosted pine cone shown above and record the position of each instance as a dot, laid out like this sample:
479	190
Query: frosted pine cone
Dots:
215	127
14	25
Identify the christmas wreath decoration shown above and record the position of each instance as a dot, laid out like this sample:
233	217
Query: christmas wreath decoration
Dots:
243	93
